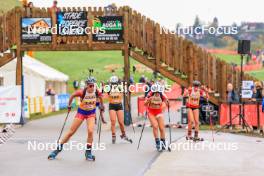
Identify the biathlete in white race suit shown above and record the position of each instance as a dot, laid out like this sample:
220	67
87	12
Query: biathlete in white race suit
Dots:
193	95
116	109
86	111
156	101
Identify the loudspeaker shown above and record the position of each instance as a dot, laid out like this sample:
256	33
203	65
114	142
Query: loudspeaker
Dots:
243	47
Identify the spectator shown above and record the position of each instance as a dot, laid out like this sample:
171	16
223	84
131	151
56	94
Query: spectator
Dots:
75	84
257	92
142	79
131	79
50	91
30	5
232	96
262	59
134	69
148	87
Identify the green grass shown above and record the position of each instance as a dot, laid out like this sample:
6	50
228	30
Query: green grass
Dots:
229	58
76	64
8	4
259	74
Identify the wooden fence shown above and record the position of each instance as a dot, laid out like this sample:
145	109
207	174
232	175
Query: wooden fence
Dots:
143	34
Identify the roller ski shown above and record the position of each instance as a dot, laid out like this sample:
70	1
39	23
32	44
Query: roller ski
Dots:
89	156
188	138
164	145
197	139
124	137
53	154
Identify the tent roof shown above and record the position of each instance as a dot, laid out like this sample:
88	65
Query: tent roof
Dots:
37	67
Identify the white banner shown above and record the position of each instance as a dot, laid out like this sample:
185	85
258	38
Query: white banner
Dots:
247	93
10	104
247	85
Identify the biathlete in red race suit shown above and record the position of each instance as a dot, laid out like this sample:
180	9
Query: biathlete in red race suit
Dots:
156	102
193	95
86	111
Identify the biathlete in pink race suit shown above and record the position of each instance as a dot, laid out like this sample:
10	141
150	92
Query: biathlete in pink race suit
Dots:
86	111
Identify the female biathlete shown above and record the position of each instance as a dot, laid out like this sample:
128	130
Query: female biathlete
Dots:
156	102
86	111
193	95
116	109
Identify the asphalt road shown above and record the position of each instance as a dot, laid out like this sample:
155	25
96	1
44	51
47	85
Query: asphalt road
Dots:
117	159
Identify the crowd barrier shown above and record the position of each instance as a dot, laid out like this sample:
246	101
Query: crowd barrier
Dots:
45	104
253	114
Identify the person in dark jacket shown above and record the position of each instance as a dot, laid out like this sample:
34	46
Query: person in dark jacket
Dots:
232	96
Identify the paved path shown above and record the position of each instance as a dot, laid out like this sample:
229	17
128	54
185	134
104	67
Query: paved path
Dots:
119	159
123	158
245	158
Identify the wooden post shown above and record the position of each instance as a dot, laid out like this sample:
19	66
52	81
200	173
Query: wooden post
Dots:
19	69
190	62
127	97
157	46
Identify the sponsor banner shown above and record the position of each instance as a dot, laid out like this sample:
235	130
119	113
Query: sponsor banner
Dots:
72	23
36	30
247	93
10	104
113	27
247	85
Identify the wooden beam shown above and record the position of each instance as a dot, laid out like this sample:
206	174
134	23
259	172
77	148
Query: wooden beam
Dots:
72	47
5	59
142	59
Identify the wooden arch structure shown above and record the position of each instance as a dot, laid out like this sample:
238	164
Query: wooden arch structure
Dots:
143	40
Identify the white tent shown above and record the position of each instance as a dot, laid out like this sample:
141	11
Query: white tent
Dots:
37	77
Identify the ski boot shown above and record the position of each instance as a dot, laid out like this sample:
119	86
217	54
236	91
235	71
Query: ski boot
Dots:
113	139
164	145
54	153
89	156
124	137
158	145
196	138
189	135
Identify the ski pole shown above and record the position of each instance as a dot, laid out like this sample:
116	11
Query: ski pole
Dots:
129	108
169	122
63	126
144	124
210	119
100	128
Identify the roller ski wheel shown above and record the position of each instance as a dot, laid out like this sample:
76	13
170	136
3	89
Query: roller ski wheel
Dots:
53	155
89	156
197	139
189	138
124	137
